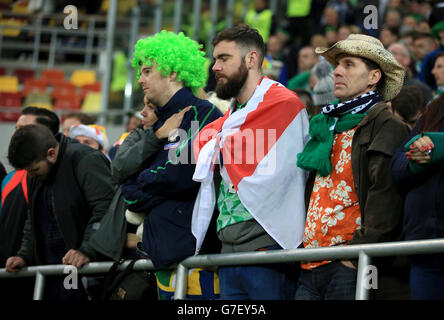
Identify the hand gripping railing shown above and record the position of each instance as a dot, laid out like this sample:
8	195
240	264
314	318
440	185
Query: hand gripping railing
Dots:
363	252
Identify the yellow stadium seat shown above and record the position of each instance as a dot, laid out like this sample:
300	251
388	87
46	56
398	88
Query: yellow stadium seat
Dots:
38	99
80	78
11	22
42	100
92	102
20	7
122	6
9	84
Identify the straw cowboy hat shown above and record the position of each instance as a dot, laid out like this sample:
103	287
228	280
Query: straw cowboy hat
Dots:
360	45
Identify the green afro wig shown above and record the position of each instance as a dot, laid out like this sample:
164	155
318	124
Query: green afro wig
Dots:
173	53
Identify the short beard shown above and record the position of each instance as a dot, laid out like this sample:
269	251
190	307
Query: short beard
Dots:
50	171
234	83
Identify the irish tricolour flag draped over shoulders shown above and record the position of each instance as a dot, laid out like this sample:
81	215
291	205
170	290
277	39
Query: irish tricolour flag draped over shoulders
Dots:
256	148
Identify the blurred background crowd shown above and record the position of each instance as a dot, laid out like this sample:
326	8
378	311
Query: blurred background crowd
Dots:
50	60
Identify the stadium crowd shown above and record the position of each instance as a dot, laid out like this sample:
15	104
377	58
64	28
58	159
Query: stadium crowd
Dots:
315	132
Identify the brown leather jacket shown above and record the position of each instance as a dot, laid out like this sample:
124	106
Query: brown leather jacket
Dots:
377	137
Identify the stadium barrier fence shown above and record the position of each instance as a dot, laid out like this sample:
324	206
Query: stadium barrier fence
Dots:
363	252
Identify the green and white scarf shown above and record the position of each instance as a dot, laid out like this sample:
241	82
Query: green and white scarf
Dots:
333	118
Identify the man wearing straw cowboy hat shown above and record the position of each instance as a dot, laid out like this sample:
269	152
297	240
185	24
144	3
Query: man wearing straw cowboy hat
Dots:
350	195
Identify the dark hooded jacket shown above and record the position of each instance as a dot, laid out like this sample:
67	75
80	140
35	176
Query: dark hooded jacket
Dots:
81	191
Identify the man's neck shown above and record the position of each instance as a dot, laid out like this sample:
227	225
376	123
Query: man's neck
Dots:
172	90
249	87
345	99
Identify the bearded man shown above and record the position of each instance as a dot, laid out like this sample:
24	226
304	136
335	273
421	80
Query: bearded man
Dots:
260	198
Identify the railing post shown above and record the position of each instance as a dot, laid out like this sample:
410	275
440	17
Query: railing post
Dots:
197	11
230	13
246	4
36	49
361	287
39	286
214	7
135	21
89	43
177	15
158	16
52	49
181	282
106	79
1	40
273	6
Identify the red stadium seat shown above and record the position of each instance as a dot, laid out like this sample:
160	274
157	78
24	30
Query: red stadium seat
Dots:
34	86
23	74
9	100
88	88
53	76
63	89
68	102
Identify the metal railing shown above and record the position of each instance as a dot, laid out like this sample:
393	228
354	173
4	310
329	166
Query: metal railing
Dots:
363	252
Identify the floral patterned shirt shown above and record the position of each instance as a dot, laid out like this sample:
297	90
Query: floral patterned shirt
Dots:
333	214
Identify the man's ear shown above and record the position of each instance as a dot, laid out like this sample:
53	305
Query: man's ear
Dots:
173	76
51	155
252	59
374	77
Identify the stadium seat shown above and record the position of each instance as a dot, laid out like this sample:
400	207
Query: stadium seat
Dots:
2	71
9	100
52	76
32	85
9	116
23	74
92	102
9	84
13	33
63	89
65	104
42	100
88	88
20	7
79	78
123	7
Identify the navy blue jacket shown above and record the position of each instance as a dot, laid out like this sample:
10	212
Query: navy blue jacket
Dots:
165	189
424	196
